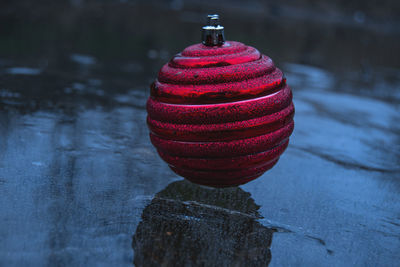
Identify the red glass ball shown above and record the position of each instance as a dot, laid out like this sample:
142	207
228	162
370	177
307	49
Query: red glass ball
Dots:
220	115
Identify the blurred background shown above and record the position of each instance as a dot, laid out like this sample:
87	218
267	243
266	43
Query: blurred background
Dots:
81	184
126	42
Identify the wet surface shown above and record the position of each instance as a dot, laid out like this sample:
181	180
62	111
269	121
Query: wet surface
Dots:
80	183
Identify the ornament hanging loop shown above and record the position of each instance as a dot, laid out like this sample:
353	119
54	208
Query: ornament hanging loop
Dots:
213	33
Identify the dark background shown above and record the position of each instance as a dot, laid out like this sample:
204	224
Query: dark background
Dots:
358	40
81	185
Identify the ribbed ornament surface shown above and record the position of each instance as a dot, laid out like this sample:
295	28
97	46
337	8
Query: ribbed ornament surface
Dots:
221	115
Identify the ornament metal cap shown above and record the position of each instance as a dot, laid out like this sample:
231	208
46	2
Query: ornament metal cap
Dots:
213	33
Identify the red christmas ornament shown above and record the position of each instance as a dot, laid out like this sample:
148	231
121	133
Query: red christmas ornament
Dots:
220	113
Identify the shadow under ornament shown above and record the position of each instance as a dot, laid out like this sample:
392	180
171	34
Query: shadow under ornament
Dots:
191	225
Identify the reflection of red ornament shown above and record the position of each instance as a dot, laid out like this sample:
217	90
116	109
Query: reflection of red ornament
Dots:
220	113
